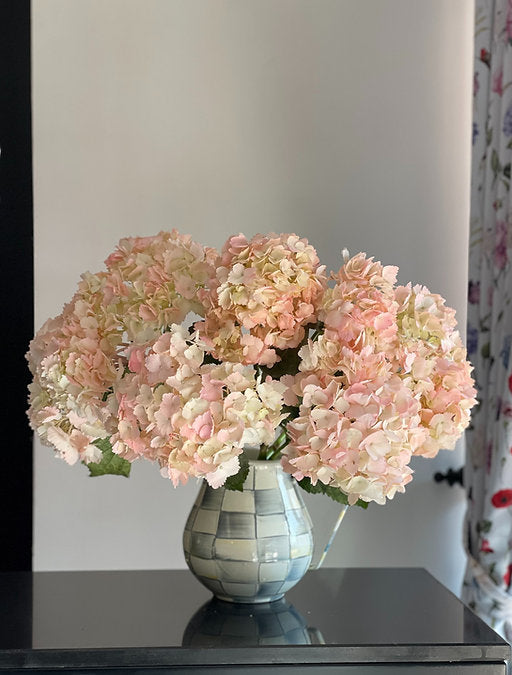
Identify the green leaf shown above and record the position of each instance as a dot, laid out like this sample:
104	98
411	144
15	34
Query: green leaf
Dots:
289	358
486	350
483	526
110	462
292	411
332	492
288	365
318	329
237	481
209	360
506	170
489	135
495	163
107	394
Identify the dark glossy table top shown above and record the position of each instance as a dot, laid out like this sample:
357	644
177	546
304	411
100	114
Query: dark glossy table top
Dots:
157	618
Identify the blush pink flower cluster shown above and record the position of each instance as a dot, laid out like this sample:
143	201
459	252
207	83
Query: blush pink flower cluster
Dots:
345	380
78	358
193	418
387	379
265	292
358	437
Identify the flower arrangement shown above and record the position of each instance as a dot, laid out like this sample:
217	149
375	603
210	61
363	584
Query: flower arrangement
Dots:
343	377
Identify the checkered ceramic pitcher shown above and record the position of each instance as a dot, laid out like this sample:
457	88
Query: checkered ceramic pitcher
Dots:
250	546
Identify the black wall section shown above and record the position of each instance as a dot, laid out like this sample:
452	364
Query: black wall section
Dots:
16	285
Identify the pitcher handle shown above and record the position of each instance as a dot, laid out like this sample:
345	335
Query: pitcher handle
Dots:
317	565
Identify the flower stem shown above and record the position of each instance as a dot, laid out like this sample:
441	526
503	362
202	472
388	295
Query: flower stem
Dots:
263	452
270	451
318	329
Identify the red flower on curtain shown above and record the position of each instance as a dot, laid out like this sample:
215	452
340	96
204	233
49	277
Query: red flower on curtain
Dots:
485	548
507	577
485	57
502	499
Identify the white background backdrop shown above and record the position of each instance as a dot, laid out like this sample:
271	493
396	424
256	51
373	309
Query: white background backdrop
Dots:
345	121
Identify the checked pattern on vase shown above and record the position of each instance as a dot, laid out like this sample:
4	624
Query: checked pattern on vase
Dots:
253	545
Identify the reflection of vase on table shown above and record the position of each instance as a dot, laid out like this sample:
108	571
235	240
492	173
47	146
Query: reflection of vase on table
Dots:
250	546
222	624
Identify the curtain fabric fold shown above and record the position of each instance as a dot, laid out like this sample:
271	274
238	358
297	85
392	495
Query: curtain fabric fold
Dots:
488	473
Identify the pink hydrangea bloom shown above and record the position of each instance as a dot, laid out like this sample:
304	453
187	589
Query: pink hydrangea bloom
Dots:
193	418
359	311
359	438
265	292
79	357
392	354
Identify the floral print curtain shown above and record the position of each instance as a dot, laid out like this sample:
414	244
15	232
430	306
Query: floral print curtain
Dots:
488	472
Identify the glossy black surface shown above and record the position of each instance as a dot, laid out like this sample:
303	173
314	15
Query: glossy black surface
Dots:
156	618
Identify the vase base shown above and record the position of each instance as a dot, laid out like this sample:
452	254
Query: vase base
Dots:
250	601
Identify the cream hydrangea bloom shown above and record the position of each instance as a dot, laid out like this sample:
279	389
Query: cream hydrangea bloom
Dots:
432	358
74	361
156	281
